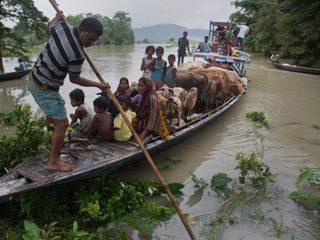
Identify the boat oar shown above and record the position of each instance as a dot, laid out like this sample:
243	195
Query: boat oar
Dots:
136	137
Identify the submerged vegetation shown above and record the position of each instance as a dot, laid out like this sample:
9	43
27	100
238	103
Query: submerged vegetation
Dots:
258	118
253	169
308	194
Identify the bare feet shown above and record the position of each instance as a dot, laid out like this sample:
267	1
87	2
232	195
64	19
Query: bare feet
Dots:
60	166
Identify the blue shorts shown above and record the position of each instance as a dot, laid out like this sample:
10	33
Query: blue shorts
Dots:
240	40
50	102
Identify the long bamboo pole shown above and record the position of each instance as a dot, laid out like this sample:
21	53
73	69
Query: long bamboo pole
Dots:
136	137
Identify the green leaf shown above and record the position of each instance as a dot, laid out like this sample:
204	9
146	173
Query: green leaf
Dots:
220	180
199	183
175	188
75	227
32	231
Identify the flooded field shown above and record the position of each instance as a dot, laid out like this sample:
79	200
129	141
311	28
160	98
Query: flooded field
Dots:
290	102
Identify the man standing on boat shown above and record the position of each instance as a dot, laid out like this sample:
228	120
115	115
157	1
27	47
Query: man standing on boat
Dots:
243	30
63	54
183	44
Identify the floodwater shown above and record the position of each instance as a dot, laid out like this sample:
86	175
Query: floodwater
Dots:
290	102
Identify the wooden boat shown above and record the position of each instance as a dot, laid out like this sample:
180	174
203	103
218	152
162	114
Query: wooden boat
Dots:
236	64
104	158
13	75
294	68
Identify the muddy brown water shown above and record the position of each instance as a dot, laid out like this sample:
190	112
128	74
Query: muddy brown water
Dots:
290	102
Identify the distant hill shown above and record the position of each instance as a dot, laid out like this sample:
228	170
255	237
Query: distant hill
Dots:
163	32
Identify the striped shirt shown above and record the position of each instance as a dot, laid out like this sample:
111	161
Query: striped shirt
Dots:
63	54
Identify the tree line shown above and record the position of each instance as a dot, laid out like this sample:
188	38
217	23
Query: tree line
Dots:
30	25
289	28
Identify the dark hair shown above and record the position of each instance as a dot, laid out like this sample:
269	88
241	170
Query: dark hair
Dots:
91	24
101	102
159	49
185	32
124	78
125	99
20	60
150	47
77	94
172	56
206	36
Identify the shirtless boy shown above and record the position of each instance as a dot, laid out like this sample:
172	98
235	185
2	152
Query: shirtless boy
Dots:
102	123
83	111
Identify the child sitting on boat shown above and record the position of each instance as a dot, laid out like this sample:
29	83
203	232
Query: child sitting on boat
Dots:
102	123
83	113
121	130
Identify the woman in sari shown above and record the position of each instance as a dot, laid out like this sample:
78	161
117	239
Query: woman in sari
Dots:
123	89
147	109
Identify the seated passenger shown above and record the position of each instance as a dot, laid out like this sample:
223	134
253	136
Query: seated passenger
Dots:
121	130
123	89
148	117
22	66
83	112
102	123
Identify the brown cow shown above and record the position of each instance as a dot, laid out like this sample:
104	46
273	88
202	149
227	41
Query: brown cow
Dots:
226	85
188	79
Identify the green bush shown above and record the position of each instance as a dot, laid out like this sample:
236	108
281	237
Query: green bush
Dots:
31	137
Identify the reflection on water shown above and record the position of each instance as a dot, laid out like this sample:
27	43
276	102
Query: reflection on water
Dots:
11	92
291	103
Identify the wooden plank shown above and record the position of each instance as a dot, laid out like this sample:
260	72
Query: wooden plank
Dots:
34	169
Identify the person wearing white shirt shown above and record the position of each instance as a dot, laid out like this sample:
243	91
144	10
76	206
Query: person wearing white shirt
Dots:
244	29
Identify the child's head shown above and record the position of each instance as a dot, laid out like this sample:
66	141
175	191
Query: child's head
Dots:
159	51
76	97
150	50
134	85
100	104
125	102
171	59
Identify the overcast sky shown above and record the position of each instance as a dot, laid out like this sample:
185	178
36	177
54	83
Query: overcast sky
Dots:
190	14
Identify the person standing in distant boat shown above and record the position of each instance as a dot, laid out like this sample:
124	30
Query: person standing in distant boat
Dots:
183	45
146	61
22	66
243	30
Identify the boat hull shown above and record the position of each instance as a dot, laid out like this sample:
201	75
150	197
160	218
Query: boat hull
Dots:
294	68
13	75
105	158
